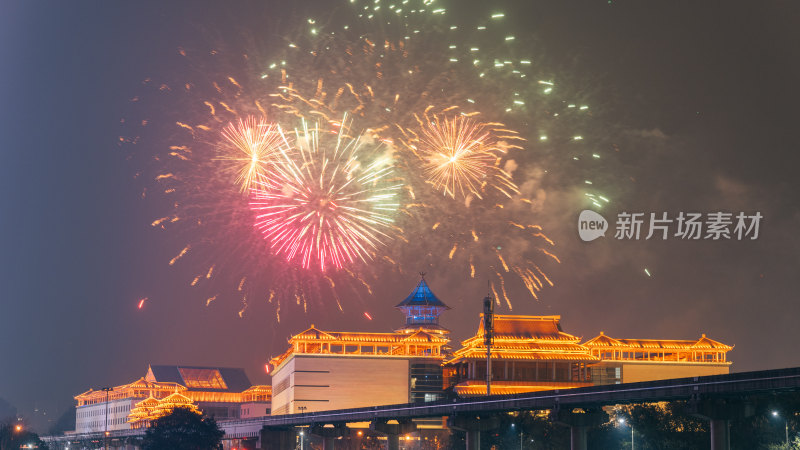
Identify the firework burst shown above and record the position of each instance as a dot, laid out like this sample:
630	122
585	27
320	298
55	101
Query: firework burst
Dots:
329	201
291	216
461	156
255	143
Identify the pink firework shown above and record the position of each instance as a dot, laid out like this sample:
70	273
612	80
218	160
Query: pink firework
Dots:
329	201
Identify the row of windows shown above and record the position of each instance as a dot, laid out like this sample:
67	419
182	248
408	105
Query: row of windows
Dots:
102	411
426	382
99	423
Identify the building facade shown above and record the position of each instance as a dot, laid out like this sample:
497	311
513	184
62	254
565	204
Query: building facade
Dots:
632	360
325	370
533	353
529	353
217	392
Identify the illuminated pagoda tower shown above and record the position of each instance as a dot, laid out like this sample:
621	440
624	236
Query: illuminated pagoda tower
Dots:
324	370
422	309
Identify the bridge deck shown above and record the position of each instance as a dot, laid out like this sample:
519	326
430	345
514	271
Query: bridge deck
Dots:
731	385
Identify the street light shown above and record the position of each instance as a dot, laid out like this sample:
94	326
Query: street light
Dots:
513	427
786	425
301	439
105	434
621	421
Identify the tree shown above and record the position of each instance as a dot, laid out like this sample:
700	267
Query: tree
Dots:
182	429
12	437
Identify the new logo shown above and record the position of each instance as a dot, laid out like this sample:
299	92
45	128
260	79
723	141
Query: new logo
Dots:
591	225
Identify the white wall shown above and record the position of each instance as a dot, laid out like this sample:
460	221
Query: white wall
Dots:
324	382
91	418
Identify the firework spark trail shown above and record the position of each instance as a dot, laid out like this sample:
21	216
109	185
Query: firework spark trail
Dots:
179	255
326	203
256	143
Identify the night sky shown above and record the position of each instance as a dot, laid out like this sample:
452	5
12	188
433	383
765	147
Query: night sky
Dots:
701	98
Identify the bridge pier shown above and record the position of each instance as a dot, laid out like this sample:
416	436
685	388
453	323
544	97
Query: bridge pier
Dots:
393	431
579	423
720	434
274	438
473	427
329	434
719	413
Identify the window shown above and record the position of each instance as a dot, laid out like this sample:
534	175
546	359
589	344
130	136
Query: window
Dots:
431	397
202	378
281	386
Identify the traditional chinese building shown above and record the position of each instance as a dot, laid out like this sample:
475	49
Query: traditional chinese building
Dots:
533	353
632	360
529	353
223	393
325	370
151	408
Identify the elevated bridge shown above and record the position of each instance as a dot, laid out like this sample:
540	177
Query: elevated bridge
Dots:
718	398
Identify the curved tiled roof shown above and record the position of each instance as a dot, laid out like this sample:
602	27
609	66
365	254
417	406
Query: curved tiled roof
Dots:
703	343
527	328
525	338
422	296
604	341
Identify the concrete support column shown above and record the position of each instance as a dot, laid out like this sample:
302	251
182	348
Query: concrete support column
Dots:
579	422
719	413
473	440
473	427
393	431
720	434
329	434
392	442
277	438
577	438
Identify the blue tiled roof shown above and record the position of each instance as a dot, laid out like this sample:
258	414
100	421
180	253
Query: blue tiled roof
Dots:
422	296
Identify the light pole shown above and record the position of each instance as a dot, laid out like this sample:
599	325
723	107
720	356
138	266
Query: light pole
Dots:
786	426
621	421
301	439
105	432
488	332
